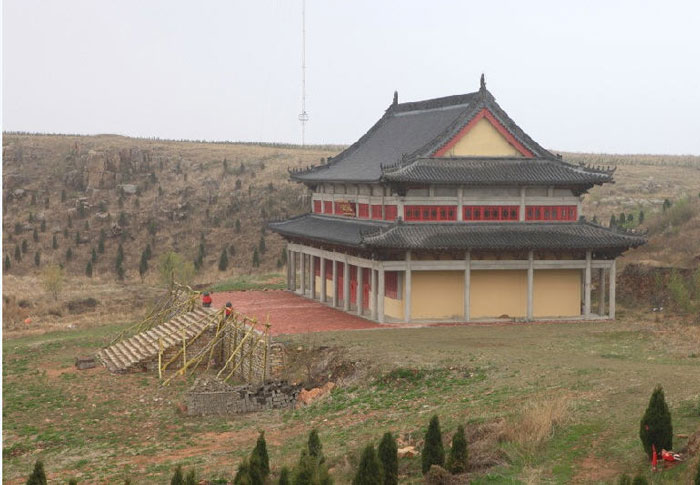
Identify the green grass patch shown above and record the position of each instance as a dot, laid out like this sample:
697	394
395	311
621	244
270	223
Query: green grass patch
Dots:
271	281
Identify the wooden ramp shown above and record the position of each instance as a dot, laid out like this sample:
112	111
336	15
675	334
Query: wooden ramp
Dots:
134	352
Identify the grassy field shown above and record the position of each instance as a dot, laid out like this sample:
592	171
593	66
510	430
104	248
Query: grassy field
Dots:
599	376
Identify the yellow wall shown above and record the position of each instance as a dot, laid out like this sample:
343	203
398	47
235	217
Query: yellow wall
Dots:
393	308
498	292
557	293
483	139
437	294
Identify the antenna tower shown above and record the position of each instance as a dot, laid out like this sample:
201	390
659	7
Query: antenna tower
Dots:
304	116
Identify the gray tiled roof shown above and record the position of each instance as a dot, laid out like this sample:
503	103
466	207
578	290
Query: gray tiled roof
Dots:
408	131
495	171
461	235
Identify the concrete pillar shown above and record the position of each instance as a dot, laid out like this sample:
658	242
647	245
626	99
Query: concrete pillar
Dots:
380	295
312	277
289	269
521	216
322	292
346	285
467	284
360	292
611	300
587	287
302	266
334	297
407	288
373	294
293	263
460	203
530	283
601	292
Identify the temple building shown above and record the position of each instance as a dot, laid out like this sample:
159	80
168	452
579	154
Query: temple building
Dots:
445	210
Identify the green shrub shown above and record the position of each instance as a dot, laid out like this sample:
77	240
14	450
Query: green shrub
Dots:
388	455
369	471
433	451
177	478
38	477
315	447
260	459
191	478
284	477
223	260
457	461
624	480
243	474
655	427
639	480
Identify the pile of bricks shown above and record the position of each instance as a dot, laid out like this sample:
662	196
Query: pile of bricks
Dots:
210	397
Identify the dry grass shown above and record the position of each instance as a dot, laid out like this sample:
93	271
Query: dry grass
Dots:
537	421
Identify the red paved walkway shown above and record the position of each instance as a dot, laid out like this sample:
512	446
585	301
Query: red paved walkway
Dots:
291	313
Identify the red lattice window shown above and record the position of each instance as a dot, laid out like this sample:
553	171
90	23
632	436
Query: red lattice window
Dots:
327	207
317	206
551	213
363	211
377	212
491	213
344	208
390	212
391	284
430	213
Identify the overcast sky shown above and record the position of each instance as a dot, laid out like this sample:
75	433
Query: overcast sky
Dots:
600	76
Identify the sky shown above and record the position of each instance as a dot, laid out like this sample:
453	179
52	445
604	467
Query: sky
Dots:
594	76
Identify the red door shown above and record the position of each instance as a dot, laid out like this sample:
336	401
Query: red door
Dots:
366	283
340	269
353	285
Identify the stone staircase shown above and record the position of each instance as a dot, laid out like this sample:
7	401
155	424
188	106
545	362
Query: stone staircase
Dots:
132	353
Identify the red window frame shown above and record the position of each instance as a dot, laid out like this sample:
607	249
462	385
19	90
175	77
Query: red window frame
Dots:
327	207
317	206
391	284
377	212
430	212
551	213
363	211
390	212
507	213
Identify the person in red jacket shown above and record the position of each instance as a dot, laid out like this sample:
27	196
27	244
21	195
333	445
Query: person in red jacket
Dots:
206	299
229	309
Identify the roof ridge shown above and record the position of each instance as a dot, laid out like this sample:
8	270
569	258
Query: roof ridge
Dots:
432	103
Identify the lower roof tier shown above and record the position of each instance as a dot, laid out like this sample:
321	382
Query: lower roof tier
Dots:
457	235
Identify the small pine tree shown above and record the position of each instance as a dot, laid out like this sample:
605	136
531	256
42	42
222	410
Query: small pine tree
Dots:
667	205
256	258
315	447
191	478
25	246
18	254
457	461
38	476
223	261
88	269
69	254
613	222
177	478
243	474
43	226
621	218
54	242
261	245
120	257
8	264
77	238
655	427
31	218
37	258
284	477
630	217
307	470
238	226
260	457
641	216
433	451
388	455
149	253
35	235
369	471
93	256
73	481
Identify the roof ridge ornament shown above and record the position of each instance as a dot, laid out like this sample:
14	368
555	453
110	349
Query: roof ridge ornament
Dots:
396	98
483	83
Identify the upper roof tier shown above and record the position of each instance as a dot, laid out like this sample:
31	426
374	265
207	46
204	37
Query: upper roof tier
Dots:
447	130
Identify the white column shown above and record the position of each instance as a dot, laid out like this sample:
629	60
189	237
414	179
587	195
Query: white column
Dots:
521	216
302	266
312	277
289	269
460	203
530	283
407	288
467	283
380	295
373	294
334	298
322	293
587	287
360	292
611	300
293	262
601	292
346	285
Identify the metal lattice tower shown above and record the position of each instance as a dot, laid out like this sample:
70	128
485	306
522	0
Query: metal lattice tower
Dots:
304	116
